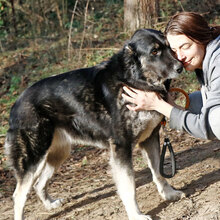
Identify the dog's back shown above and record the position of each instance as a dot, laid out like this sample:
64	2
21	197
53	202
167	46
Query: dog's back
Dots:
67	102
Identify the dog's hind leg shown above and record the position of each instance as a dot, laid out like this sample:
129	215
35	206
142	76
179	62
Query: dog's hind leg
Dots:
151	151
17	147
23	187
20	195
41	188
121	164
58	152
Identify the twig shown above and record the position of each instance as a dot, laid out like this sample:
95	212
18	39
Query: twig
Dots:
2	49
181	5
84	30
27	11
69	47
59	16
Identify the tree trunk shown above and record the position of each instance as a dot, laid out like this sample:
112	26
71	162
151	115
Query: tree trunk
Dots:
140	14
14	17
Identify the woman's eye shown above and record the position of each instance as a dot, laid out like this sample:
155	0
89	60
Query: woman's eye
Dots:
186	46
154	52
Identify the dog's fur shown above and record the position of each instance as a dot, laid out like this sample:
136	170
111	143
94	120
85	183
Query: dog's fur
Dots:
85	106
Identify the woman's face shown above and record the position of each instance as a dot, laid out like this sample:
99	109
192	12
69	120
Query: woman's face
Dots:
187	51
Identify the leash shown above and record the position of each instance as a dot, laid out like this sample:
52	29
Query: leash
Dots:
167	143
184	93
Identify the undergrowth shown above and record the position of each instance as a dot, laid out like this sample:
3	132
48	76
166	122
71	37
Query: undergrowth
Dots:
34	59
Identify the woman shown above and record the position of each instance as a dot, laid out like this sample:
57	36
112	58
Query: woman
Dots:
197	46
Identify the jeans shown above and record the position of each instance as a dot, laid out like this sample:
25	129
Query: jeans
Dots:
195	102
195	107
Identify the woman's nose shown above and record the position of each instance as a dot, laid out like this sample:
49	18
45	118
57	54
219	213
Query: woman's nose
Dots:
180	55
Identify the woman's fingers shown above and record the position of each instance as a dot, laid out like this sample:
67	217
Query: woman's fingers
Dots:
133	89
128	98
130	91
134	96
133	108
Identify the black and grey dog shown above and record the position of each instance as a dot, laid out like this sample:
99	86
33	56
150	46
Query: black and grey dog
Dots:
85	106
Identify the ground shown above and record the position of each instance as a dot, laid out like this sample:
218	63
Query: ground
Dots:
85	182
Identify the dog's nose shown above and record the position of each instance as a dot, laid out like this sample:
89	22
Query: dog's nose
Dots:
179	69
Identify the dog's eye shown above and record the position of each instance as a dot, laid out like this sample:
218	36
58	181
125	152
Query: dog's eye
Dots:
154	52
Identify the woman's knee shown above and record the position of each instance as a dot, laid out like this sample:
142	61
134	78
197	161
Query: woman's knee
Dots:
196	102
214	121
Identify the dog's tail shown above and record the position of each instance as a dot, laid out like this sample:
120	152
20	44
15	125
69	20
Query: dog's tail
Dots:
25	147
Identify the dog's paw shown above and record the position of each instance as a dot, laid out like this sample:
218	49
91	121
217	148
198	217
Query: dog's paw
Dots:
141	217
169	193
55	204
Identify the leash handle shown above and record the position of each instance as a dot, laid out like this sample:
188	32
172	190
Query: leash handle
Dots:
184	93
167	143
172	157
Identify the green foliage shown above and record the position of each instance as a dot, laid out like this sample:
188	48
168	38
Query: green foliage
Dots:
115	2
189	81
77	25
15	82
98	56
3	129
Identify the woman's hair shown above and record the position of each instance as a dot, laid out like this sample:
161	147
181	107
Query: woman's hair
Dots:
194	26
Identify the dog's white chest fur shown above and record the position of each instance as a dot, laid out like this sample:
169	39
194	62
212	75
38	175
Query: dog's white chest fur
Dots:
150	121
153	122
143	123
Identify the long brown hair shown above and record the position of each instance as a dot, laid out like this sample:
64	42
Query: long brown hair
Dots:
194	26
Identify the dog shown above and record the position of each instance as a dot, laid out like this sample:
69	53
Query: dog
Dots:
85	106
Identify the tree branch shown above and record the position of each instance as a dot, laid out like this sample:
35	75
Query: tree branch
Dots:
69	47
84	29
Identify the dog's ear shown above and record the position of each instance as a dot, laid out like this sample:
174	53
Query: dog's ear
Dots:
130	47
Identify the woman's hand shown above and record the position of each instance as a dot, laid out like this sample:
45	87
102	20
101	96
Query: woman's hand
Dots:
143	100
146	101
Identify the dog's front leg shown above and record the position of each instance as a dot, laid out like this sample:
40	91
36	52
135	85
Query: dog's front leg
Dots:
151	150
121	164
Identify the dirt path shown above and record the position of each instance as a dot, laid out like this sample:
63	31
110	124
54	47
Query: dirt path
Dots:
86	184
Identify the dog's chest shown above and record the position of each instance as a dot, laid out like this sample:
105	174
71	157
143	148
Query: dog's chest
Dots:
148	122
141	123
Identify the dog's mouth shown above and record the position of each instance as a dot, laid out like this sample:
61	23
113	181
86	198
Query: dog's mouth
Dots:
173	75
175	71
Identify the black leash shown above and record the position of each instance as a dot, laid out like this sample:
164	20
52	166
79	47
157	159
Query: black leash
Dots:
172	157
168	145
167	141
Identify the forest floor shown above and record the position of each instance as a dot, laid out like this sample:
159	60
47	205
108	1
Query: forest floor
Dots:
85	182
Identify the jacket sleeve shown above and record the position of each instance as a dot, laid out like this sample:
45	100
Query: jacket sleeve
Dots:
198	124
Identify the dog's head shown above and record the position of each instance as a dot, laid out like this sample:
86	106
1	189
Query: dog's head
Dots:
149	60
